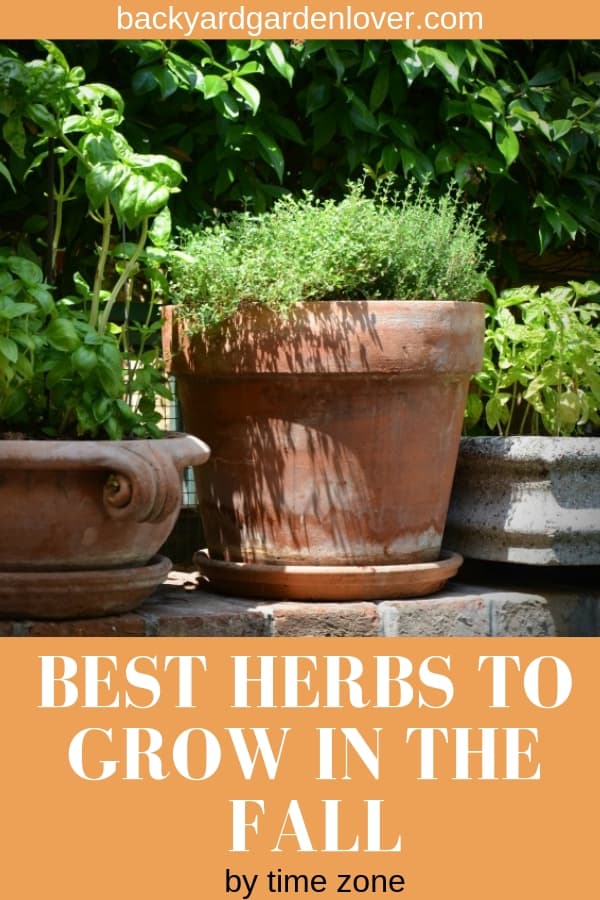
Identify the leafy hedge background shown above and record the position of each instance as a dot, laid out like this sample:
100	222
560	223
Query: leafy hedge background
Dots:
516	123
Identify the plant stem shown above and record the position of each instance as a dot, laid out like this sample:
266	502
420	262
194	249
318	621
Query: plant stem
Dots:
101	265
125	275
560	329
513	404
59	199
51	206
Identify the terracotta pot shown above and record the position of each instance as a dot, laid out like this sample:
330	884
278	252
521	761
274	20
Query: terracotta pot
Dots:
533	500
334	429
70	506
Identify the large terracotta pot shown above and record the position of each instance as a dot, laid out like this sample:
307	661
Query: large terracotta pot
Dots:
527	499
84	507
334	430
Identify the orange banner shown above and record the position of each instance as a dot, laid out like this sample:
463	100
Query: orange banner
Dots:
142	19
195	768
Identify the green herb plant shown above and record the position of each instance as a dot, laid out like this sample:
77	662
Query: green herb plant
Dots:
541	368
70	366
366	246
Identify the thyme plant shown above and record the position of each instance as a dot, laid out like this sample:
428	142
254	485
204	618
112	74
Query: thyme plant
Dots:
383	245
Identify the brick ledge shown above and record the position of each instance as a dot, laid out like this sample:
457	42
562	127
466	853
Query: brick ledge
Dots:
182	608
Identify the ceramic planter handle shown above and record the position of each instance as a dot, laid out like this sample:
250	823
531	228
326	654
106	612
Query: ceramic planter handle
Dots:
144	476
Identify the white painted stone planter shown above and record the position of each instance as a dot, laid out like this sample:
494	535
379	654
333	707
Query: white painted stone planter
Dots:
527	500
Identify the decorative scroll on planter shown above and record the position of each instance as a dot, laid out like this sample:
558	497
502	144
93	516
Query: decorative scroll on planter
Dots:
89	517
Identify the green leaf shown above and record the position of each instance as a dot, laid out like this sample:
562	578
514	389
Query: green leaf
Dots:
24	367
412	67
493	97
110	379
12	310
224	180
56	54
380	88
57	370
545	77
98	149
271	152
26	270
166	81
335	60
568	408
496	411
160	232
237	51
9	349
446	159
473	409
6	174
317	95
286	127
101	409
248	92
360	115
81	285
227	106
43	298
560	127
483	115
531	117
13	132
507	143
155	166
110	354
442	62
144	80
277	59
42	117
84	360
62	334
213	85
137	198
390	157
14	403
103	179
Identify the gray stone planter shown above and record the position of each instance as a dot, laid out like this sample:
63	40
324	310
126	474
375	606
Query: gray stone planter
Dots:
527	500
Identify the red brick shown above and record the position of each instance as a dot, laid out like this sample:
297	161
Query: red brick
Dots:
126	625
201	614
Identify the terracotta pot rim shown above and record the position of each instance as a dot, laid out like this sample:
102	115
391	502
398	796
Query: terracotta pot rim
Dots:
87	442
341	338
256	304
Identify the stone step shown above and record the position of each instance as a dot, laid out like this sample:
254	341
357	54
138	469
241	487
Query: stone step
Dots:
507	603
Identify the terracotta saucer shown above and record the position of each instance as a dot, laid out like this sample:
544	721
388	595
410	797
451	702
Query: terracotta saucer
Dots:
81	594
276	582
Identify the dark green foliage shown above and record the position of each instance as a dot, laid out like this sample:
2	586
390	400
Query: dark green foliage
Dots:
515	123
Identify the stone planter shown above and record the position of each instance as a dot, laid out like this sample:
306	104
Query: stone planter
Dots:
334	433
82	522
527	500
